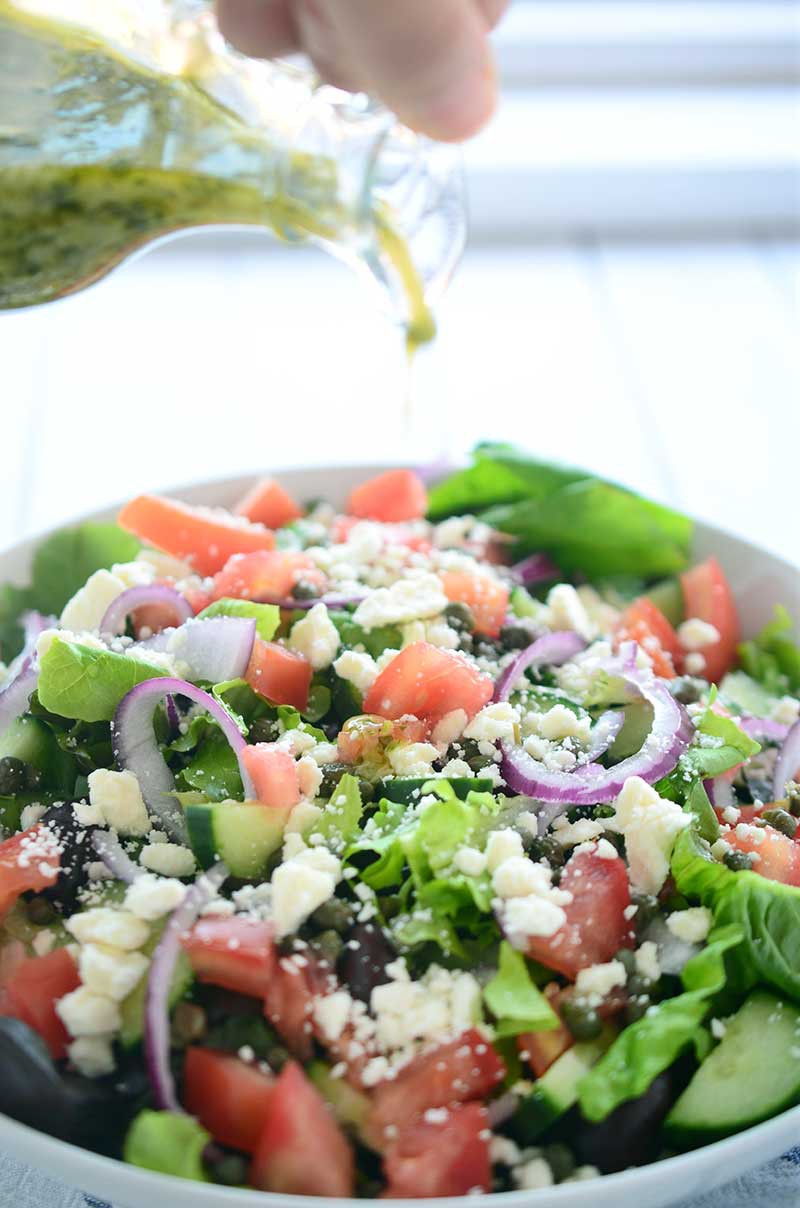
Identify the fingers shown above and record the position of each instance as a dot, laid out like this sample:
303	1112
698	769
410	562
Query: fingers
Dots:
261	28
492	11
429	62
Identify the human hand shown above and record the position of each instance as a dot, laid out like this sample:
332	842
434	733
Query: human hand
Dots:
428	60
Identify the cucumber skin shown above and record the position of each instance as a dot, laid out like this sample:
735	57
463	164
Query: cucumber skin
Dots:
244	835
556	1091
691	1134
403	790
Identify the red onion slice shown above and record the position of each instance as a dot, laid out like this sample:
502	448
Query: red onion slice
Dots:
720	792
551	650
537	568
137	750
668	739
787	765
159	981
762	727
114	856
216	649
119	610
23	677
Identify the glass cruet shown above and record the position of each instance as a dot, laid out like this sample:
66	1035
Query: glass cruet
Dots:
123	122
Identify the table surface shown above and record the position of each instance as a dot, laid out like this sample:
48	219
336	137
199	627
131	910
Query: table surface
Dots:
674	368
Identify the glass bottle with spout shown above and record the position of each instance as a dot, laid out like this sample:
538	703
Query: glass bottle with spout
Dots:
125	121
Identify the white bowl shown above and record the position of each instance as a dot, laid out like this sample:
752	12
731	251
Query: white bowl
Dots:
759	580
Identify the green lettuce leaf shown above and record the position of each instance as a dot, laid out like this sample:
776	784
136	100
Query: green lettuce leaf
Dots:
167	1143
650	1045
374	641
719	746
766	912
516	1002
87	684
773	658
341	817
267	616
585	523
699	806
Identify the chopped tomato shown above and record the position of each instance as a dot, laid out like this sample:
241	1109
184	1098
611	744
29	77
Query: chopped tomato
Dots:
707	595
596	926
394	496
279	674
33	990
457	1072
301	1150
268	574
362	736
442	1157
270	504
486	596
274	774
646	624
289	1000
205	537
235	953
777	857
541	1049
229	1097
152	618
28	861
198	597
428	682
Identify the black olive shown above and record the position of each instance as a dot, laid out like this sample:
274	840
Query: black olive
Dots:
263	729
362	964
76	854
92	1112
630	1135
12	776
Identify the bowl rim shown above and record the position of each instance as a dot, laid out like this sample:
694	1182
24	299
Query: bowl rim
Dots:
33	1141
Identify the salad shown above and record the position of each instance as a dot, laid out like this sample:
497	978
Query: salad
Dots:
445	844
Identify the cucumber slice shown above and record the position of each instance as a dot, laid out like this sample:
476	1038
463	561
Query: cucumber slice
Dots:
741	690
30	740
556	1091
243	834
541	697
668	597
752	1074
407	789
637	725
131	1009
350	1107
522	603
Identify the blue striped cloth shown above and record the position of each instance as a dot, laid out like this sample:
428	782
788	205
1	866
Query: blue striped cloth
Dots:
776	1185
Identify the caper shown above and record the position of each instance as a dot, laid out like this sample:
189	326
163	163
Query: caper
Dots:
793	798
582	1020
276	1057
560	1160
545	848
627	959
638	984
688	689
303	590
189	1023
460	617
328	945
646	909
603	811
224	1166
636	1008
333	915
41	912
782	820
515	637
12	776
263	729
738	861
331	775
33	777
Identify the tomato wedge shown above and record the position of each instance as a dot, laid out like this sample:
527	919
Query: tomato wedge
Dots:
461	1070
268	503
279	674
289	1001
28	861
230	1098
707	594
265	575
646	624
776	856
596	925
486	597
235	953
392	497
301	1149
274	774
31	994
205	537
438	1158
428	682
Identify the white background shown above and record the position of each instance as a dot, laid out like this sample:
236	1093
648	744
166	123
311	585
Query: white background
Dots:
654	340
